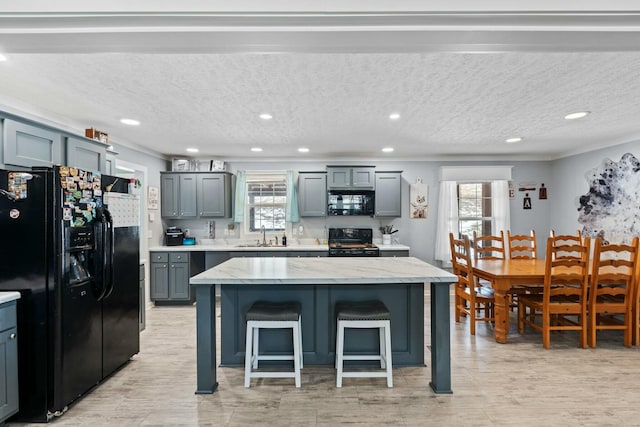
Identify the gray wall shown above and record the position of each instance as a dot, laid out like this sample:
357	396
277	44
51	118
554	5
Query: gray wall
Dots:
154	166
419	234
568	183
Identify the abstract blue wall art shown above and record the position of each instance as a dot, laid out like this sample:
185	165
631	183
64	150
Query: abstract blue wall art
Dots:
611	208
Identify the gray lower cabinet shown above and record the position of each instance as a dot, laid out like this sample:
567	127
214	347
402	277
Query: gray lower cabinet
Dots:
28	145
214	258
277	254
392	254
8	361
388	189
312	193
86	155
170	274
178	195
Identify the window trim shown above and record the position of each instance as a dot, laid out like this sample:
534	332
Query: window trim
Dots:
263	177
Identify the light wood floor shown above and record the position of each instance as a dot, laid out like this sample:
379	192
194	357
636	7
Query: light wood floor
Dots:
512	384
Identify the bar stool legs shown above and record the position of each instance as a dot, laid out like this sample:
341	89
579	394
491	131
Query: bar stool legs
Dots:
268	316
368	315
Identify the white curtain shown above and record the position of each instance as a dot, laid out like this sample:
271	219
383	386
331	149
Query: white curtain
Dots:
240	197
500	207
292	214
447	221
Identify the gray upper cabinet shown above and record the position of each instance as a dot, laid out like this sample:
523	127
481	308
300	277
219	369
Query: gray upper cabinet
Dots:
388	189
350	178
169	189
187	196
178	196
86	155
28	145
110	163
192	195
214	195
312	193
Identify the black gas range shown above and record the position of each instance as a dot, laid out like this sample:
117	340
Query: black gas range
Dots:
345	242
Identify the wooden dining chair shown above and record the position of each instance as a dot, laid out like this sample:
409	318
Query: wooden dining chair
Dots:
488	247
568	240
612	289
562	305
522	246
471	300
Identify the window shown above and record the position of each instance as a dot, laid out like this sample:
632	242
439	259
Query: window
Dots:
474	208
266	202
471	198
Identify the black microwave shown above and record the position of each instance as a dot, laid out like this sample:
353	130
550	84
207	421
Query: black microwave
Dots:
351	202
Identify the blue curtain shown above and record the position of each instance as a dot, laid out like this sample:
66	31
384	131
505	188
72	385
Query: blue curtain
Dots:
292	214
240	197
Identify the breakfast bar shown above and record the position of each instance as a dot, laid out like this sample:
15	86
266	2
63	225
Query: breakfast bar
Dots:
318	283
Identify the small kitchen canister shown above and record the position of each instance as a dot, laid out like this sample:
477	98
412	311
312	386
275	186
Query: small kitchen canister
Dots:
386	239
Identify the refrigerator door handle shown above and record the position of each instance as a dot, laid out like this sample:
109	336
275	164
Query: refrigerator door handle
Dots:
103	259
110	253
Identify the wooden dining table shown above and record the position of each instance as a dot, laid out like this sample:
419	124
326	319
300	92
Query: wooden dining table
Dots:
504	275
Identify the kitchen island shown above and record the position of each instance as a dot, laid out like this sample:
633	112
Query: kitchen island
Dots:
318	283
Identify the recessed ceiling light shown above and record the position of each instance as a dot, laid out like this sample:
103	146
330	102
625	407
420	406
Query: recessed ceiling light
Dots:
2	58
303	149
394	116
192	150
265	116
387	149
130	122
256	149
577	115
512	140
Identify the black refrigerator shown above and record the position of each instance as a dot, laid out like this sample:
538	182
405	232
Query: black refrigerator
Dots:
69	243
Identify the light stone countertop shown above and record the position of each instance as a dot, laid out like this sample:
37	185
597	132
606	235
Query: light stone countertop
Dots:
233	248
323	271
9	296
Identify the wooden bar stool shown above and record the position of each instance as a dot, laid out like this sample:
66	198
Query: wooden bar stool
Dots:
272	315
364	315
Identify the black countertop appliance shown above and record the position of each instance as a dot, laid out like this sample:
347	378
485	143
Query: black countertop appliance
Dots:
173	236
71	249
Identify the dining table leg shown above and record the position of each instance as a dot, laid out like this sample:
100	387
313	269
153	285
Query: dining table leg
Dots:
501	311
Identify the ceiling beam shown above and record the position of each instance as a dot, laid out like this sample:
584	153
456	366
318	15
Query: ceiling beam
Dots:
319	32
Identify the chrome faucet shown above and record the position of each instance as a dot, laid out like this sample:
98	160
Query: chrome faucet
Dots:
264	236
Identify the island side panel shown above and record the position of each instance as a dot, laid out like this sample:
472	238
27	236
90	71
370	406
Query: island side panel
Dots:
237	299
440	338
405	301
206	339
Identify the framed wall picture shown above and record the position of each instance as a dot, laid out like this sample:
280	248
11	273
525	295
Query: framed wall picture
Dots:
419	200
153	196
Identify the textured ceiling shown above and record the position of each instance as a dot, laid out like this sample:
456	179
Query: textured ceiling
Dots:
452	104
